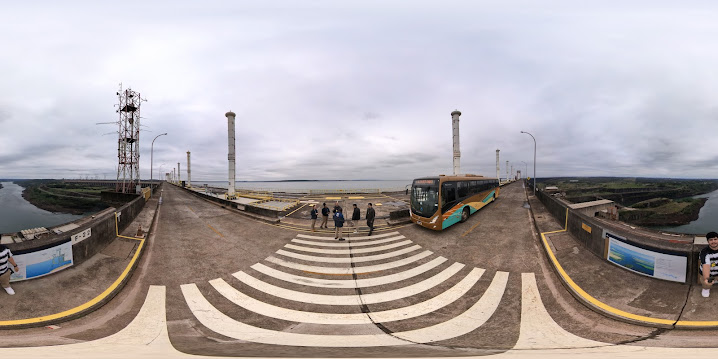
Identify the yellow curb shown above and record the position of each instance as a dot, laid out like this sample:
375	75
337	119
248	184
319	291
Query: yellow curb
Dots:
634	318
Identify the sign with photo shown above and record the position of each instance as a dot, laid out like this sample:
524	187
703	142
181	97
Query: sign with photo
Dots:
650	263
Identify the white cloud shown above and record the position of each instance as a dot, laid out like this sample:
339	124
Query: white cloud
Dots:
362	89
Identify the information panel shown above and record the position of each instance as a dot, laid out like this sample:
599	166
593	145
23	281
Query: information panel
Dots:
43	262
647	262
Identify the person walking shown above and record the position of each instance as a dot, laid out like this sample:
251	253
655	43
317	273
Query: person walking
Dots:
338	224
6	262
313	213
370	214
325	216
356	216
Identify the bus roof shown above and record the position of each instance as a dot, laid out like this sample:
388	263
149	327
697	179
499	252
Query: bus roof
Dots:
458	177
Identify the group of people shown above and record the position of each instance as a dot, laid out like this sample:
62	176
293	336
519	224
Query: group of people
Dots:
338	216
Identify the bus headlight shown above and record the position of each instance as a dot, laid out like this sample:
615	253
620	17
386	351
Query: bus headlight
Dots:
433	220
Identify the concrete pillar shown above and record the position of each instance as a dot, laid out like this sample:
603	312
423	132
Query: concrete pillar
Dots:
507	171
179	174
497	164
189	172
455	129
231	155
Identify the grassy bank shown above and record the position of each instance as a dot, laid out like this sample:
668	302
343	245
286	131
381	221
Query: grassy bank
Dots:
646	201
57	197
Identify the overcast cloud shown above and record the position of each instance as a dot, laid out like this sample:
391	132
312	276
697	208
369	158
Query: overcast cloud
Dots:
362	89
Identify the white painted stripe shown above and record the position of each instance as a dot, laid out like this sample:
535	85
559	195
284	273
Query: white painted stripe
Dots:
357	238
345	244
347	251
407	312
538	330
380	297
347	283
348	259
465	322
348	270
218	322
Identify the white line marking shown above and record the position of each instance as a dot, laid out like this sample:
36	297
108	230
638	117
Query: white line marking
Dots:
348	270
359	238
346	244
348	259
348	283
218	322
464	323
347	251
407	312
349	299
538	329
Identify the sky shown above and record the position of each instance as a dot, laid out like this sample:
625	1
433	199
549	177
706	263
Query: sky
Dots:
362	89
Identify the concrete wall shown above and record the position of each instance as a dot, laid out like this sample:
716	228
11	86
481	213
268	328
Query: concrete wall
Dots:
102	233
596	244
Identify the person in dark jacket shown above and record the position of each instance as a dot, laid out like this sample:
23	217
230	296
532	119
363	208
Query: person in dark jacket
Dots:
325	216
370	214
313	213
356	215
338	224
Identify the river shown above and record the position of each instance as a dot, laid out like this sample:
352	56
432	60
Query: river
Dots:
707	218
17	214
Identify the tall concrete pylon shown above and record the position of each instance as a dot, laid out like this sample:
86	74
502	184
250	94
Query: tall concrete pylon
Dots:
455	129
507	171
189	172
497	165
179	174
231	156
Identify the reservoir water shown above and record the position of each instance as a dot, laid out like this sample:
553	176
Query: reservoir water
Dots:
707	218
17	214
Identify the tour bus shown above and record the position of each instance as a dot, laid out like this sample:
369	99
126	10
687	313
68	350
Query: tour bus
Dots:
438	202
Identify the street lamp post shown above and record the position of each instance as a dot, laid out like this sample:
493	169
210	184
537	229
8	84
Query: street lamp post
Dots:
532	136
152	154
527	168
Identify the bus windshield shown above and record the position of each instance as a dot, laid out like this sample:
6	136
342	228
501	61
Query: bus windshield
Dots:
425	197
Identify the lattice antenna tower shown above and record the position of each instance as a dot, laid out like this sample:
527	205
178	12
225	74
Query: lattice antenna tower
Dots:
128	142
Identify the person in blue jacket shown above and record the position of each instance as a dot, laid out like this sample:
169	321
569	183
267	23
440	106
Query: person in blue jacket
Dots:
325	216
338	224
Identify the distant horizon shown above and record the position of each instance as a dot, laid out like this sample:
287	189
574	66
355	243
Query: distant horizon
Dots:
346	180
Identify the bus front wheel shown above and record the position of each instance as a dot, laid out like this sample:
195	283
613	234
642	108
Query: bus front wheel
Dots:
465	214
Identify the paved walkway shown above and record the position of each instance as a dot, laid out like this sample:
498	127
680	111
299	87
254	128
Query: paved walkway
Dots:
73	287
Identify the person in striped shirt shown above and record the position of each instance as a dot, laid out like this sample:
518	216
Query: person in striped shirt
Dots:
708	269
6	262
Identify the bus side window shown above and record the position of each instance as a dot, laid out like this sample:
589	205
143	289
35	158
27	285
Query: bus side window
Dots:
448	195
463	189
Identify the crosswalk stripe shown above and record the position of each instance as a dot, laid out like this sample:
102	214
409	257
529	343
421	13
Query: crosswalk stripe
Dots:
220	323
348	259
347	251
411	311
349	270
464	323
357	238
347	283
349	299
345	244
538	330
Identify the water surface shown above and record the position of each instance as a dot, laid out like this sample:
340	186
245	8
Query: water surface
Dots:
17	214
